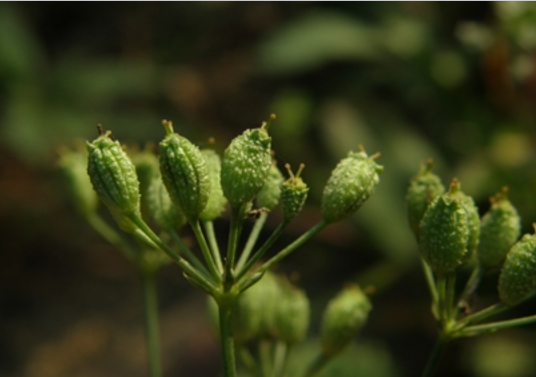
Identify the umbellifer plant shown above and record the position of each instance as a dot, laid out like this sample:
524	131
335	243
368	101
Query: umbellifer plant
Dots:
194	186
451	235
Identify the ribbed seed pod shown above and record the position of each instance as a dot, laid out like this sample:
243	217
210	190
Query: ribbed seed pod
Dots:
293	194
351	183
73	165
216	201
499	230
113	176
160	207
245	166
423	189
292	312
344	316
270	193
449	231
184	172
518	274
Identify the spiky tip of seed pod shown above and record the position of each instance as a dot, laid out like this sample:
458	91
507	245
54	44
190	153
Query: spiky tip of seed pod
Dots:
270	193
423	189
449	231
73	165
245	166
184	172
499	230
517	280
292	312
113	176
293	193
216	200
344	316
351	183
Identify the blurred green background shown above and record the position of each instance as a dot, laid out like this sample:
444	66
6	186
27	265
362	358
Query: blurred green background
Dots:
451	81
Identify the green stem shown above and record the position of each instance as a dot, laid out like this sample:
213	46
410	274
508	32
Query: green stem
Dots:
294	245
212	241
110	235
280	358
494	326
470	287
449	298
262	250
252	239
265	357
187	252
198	276
441	299
227	340
430	281
482	315
151	324
435	356
207	255
317	365
234	233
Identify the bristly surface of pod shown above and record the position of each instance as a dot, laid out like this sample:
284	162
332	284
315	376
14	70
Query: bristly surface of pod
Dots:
517	280
245	166
292	312
499	230
270	193
423	189
160	207
184	172
344	316
216	201
113	176
293	194
449	231
351	183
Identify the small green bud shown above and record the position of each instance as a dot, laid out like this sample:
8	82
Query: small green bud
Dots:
344	316
449	231
517	280
499	230
351	183
184	172
293	194
292	314
270	193
216	201
113	176
160	207
424	188
73	165
245	166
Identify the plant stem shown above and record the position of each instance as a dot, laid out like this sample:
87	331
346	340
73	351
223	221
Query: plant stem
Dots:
110	235
482	314
494	326
207	255
252	239
234	233
280	358
449	299
435	356
151	324
317	365
470	287
227	340
189	255
429	276
211	236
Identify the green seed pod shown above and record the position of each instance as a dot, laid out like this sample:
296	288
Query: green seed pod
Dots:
245	166
216	200
293	194
113	176
517	280
184	172
160	207
351	183
423	189
292	314
73	165
270	193
146	164
499	230
344	316
449	231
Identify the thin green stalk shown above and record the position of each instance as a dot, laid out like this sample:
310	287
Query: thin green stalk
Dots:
188	254
234	233
441	285
470	287
207	255
280	359
262	250
449	299
200	278
435	356
227	340
317	365
494	326
247	359
252	239
265	357
294	245
151	324
110	235
430	281
213	242
482	314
